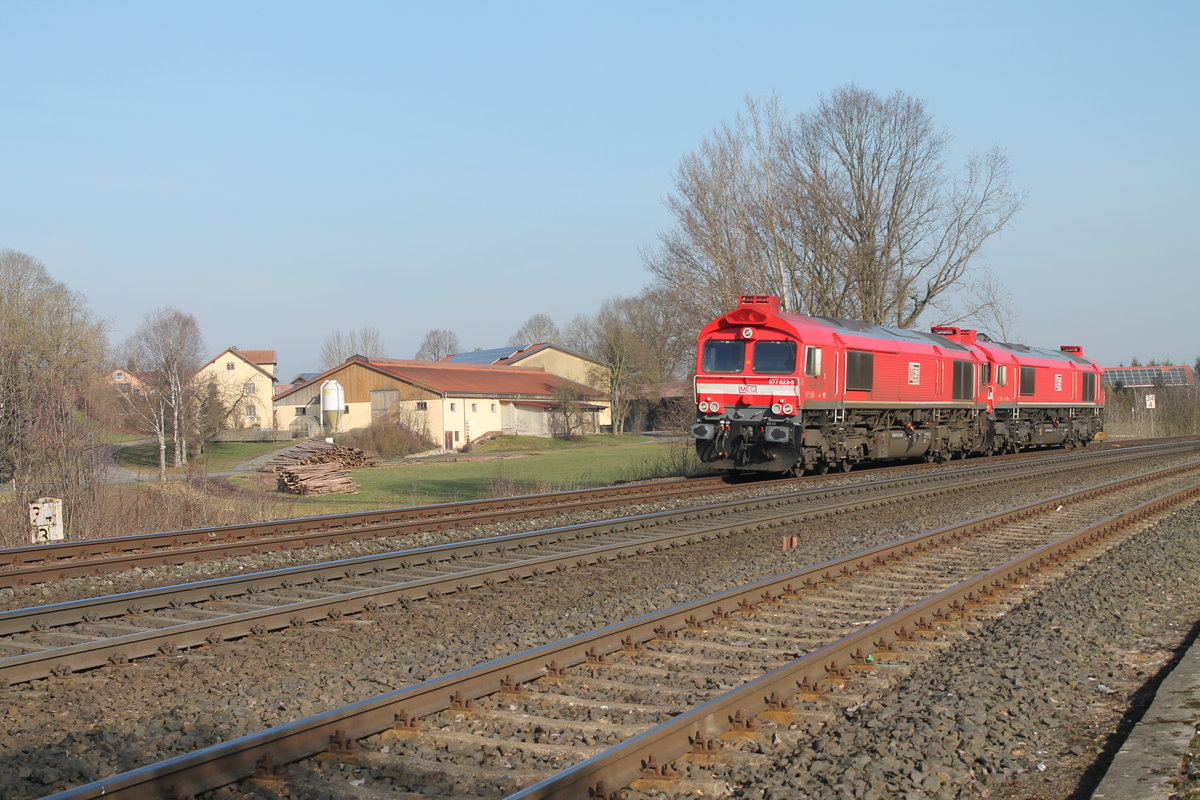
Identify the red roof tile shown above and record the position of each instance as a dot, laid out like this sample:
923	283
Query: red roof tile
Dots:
451	378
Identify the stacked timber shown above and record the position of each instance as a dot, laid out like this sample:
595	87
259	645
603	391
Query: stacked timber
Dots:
315	451
315	479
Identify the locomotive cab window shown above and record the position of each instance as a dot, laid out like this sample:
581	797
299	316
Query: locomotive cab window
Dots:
860	371
723	355
1027	381
774	358
1002	375
812	361
985	374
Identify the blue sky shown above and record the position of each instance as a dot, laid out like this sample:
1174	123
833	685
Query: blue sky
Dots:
280	169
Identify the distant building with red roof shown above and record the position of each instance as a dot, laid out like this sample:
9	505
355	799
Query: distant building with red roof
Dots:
451	403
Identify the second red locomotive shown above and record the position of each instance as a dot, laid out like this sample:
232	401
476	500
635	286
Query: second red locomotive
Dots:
780	392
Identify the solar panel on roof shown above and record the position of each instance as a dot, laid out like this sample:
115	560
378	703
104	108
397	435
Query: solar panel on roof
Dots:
483	356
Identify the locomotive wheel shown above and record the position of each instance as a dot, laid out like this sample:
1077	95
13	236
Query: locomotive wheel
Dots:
845	465
822	467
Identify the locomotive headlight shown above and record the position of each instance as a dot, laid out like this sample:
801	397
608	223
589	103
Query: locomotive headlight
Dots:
714	407
787	408
704	406
776	409
747	333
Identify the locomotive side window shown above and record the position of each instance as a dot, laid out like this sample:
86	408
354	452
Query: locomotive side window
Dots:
774	358
1027	376
812	361
1089	387
860	371
985	374
964	380
723	355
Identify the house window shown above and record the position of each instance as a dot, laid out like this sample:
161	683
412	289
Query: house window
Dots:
474	407
229	366
422	405
301	411
118	376
456	436
249	389
493	408
454	406
251	412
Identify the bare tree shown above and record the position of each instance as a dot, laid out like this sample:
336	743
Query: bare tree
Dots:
165	352
848	210
567	418
538	328
51	350
438	344
609	339
340	345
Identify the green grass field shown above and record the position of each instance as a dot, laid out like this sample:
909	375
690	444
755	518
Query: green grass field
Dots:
515	465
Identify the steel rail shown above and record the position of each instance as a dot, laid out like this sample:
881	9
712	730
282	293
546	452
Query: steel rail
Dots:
25	565
749	516
38	564
624	763
226	762
21	566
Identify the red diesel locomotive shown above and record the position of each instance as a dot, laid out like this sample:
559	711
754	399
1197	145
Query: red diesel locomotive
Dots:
780	392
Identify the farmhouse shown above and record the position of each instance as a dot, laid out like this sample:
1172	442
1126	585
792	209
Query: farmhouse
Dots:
246	382
452	404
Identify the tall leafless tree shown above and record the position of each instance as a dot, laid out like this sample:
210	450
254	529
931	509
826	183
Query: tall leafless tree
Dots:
438	344
537	329
848	210
340	345
165	352
51	350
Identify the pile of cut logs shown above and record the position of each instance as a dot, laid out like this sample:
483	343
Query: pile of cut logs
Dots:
316	467
315	479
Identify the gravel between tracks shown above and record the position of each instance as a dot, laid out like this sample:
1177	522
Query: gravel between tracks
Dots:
63	731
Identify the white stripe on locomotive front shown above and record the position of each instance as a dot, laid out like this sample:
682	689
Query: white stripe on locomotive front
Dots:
754	388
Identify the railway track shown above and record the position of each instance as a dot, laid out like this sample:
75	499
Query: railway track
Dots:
38	563
22	566
618	706
83	634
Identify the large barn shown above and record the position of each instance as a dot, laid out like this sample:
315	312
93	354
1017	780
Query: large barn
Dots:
452	404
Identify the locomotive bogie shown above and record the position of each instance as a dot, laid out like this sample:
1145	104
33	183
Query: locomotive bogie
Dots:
779	392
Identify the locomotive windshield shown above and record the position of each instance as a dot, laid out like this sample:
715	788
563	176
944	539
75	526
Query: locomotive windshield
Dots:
723	355
775	358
